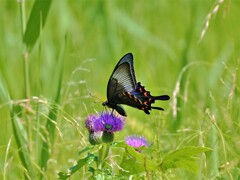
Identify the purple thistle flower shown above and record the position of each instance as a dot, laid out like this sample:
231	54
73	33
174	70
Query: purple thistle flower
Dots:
136	141
90	122
109	122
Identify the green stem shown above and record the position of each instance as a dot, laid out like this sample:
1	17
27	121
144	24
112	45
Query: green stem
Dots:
25	53
25	61
103	153
26	71
26	78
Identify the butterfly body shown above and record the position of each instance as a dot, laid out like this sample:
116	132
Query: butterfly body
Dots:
117	107
123	89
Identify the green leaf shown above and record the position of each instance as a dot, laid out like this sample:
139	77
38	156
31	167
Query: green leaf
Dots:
36	22
75	168
119	144
87	148
134	162
183	158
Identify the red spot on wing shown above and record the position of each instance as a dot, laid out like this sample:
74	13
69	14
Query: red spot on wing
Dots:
145	93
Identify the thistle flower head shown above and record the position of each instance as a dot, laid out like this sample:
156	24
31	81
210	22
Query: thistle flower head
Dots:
109	122
136	141
101	128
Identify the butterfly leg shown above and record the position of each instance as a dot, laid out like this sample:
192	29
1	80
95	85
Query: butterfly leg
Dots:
112	112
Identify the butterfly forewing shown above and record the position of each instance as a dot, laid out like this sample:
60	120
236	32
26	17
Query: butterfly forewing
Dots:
122	79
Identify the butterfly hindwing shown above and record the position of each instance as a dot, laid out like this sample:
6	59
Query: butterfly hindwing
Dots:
140	98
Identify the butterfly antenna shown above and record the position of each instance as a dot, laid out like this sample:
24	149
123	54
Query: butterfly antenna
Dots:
85	107
112	112
95	97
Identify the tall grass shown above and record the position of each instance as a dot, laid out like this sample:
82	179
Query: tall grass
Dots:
55	61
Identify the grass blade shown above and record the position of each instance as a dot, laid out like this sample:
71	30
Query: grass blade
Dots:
22	143
37	19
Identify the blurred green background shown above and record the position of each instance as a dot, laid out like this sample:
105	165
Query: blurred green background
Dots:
200	73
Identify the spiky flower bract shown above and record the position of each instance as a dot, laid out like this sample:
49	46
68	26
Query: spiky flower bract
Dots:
136	141
107	137
95	137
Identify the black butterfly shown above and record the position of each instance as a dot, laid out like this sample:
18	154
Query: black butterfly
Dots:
123	89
